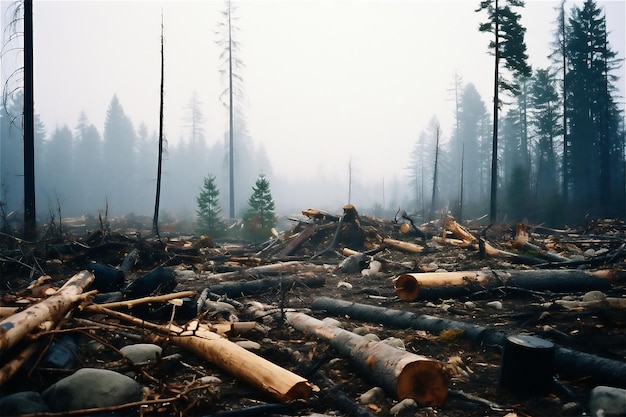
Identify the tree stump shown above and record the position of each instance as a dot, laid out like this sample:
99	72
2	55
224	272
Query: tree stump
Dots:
527	366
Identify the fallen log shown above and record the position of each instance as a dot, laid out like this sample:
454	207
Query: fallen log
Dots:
569	363
260	373
53	308
521	242
270	269
297	241
400	373
402	245
244	288
408	285
431	285
129	304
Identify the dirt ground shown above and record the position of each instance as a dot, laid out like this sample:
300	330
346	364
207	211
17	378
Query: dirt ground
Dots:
473	368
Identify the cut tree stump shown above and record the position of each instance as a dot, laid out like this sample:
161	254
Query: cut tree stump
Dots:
400	373
527	365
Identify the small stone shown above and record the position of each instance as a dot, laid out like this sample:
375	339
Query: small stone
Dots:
395	342
361	331
371	337
407	404
571	409
210	379
142	352
594	296
25	402
372	396
589	253
470	305
344	284
496	305
248	344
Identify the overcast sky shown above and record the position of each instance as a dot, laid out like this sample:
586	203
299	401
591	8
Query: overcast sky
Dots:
325	81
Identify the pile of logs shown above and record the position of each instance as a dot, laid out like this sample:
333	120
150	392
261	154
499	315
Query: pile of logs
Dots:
321	245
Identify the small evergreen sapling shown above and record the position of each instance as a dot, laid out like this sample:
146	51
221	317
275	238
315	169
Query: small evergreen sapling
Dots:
259	218
210	220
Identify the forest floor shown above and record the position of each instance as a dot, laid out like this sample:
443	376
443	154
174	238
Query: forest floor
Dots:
472	368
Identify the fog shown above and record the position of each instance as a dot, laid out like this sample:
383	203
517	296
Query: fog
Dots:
333	98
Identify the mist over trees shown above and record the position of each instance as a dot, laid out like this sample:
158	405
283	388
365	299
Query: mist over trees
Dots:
561	155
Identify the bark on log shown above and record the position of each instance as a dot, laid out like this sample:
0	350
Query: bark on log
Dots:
243	288
271	269
400	373
408	285
521	242
260	373
53	308
402	245
568	363
297	241
411	286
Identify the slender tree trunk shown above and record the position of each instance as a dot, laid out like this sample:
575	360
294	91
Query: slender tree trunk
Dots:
433	198
231	146
565	168
30	219
155	219
494	149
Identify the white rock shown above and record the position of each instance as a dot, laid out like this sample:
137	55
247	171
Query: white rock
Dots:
405	405
496	305
372	396
395	342
607	402
249	344
470	305
371	337
210	379
344	284
594	296
141	352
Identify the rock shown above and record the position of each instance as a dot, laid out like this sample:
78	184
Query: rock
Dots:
594	296
372	396
61	353
371	337
607	402
496	305
470	305
395	342
353	263
25	402
248	344
374	269
92	388
407	404
141	352
571	409
210	379
344	284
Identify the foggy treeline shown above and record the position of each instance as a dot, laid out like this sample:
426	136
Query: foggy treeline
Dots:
552	168
548	172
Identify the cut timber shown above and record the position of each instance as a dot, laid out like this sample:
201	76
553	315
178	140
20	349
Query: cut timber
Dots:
297	241
408	285
433	285
402	245
401	373
53	308
242	288
260	373
319	215
521	242
568	363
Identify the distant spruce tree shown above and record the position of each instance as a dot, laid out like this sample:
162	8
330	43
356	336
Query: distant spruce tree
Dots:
209	213
259	218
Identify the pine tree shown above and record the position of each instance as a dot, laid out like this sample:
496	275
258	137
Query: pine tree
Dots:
259	219
210	221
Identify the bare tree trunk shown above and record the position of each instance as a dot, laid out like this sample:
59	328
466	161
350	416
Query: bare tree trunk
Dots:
155	218
494	150
30	219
